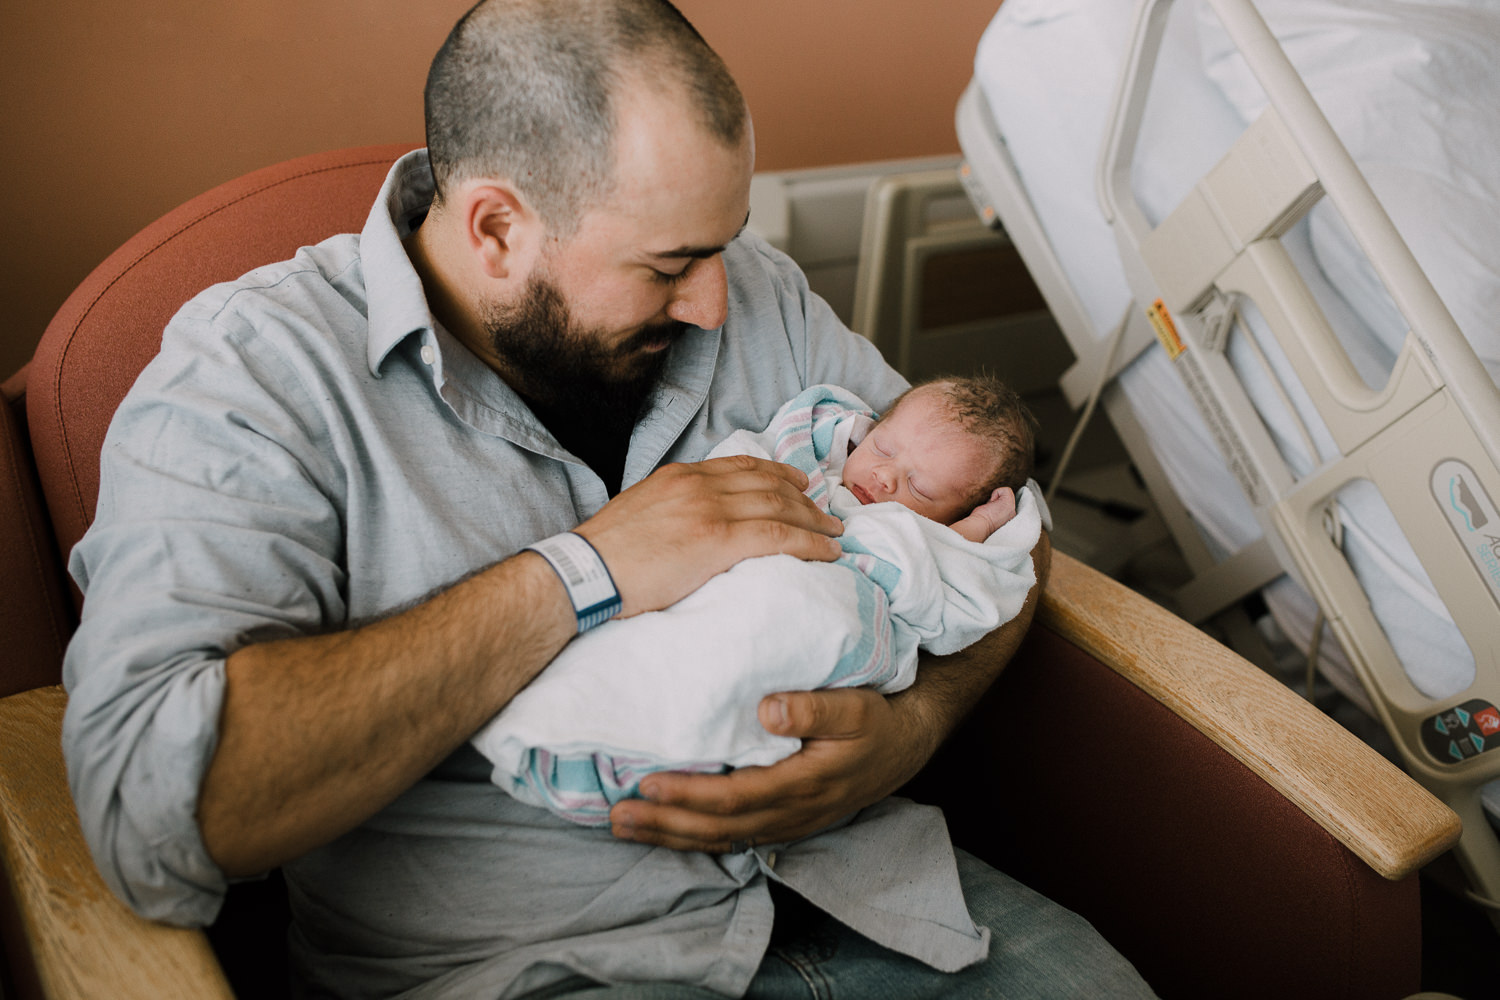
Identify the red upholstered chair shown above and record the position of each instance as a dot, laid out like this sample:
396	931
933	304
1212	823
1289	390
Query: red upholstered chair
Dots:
1223	834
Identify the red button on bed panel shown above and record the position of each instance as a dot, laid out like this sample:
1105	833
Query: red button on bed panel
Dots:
1488	721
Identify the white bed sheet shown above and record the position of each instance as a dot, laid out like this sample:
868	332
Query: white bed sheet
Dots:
1048	70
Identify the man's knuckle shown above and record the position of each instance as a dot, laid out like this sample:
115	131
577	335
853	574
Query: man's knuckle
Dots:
805	789
732	803
779	533
785	503
807	711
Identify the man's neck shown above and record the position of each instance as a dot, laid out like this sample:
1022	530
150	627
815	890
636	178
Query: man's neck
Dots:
444	298
602	444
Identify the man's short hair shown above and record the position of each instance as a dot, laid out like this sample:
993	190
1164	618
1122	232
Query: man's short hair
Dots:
525	90
994	412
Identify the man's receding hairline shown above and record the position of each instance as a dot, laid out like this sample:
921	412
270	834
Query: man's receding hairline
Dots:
557	141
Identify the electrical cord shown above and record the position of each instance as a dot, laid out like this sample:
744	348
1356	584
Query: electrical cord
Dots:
1115	337
1335	528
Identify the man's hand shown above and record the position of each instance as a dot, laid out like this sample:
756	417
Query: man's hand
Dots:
856	750
668	534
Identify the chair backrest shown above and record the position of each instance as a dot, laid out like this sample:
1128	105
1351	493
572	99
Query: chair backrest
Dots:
112	324
35	613
56	411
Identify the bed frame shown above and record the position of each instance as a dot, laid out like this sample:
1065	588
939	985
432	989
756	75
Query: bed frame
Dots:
1429	441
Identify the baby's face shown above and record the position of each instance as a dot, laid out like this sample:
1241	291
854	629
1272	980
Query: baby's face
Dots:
921	458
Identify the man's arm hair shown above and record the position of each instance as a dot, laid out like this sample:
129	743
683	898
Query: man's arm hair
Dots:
948	687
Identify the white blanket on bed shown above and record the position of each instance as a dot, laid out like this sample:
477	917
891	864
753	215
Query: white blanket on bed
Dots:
678	689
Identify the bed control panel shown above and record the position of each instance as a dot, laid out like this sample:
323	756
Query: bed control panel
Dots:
1462	732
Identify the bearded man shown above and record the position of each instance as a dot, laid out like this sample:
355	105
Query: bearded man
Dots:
326	551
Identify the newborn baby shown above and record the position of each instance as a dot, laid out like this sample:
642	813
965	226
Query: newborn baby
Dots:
938	530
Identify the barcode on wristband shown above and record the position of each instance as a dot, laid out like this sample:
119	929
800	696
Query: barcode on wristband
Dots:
571	574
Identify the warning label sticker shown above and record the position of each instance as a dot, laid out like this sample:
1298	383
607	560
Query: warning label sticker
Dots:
1166	330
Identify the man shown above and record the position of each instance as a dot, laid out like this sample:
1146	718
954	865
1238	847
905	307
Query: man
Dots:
308	583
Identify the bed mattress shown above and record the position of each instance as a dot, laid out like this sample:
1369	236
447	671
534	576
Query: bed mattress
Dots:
1047	69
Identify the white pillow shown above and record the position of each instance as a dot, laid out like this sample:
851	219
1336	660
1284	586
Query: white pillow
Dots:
1412	89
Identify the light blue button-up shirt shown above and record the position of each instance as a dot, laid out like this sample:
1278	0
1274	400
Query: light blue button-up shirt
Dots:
311	450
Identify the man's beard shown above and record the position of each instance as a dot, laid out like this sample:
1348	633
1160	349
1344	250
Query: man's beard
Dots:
561	367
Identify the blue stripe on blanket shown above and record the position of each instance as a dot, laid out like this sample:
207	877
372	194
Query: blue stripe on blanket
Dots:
583	788
805	433
885	574
804	438
871	661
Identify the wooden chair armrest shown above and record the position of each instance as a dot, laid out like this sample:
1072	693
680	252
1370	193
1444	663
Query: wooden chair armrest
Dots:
1360	798
76	938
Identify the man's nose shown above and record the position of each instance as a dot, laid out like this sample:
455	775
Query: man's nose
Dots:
702	299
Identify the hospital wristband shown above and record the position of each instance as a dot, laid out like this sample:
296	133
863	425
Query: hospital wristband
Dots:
583	574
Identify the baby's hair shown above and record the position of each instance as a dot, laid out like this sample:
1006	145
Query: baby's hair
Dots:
994	412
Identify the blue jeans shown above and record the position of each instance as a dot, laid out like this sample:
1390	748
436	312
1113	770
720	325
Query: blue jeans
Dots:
1038	951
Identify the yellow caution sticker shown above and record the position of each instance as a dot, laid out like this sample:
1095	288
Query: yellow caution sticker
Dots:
1166	330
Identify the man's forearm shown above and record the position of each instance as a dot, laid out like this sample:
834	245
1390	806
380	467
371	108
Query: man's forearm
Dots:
317	734
948	687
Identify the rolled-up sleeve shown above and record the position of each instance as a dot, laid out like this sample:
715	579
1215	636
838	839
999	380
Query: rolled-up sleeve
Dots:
214	529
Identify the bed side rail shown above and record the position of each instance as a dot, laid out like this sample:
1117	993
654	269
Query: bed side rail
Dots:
1429	440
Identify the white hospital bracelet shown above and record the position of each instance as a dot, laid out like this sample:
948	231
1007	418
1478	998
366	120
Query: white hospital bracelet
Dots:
590	587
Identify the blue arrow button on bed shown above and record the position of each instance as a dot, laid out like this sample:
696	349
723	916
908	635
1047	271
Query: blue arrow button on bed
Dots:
1462	732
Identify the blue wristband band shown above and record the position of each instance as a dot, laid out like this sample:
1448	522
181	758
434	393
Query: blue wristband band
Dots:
583	574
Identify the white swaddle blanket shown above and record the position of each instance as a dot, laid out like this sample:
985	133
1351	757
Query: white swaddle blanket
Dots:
678	689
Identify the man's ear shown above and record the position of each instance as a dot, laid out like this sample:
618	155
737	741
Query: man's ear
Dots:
503	230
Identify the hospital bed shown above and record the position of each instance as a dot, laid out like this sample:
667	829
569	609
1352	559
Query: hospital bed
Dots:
1309	417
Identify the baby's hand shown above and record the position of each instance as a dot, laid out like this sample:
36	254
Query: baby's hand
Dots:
999	508
988	517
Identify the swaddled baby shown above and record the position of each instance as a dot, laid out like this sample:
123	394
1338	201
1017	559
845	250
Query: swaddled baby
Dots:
938	531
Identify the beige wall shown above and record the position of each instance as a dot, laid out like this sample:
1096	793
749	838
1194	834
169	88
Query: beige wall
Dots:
116	112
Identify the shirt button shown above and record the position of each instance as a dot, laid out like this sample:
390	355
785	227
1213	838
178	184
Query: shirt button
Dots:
771	861
427	354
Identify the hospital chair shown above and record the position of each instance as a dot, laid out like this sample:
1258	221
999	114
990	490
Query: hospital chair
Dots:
1227	837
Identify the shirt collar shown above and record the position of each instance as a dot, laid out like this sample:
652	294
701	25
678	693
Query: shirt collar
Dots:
398	308
397	304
